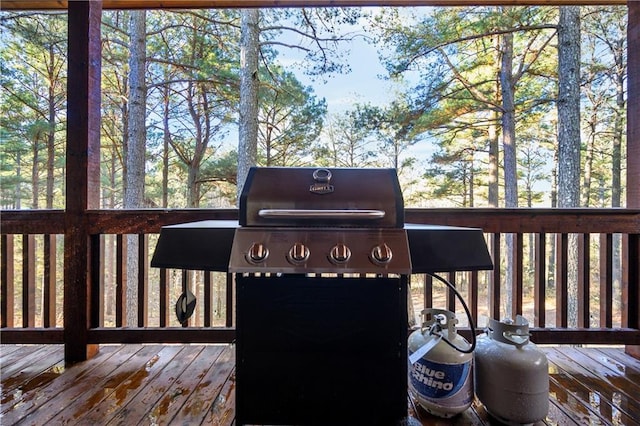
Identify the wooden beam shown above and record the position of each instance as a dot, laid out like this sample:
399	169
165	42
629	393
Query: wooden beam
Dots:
83	172
28	336
6	281
210	4
633	106
632	284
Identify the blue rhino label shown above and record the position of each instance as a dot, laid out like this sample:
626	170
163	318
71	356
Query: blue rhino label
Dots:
444	384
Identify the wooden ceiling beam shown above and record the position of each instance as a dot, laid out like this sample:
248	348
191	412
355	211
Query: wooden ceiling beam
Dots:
204	4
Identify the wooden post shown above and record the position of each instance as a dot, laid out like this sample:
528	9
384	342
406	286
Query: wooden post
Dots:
83	172
631	244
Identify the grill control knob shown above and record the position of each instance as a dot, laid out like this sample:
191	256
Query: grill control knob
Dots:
381	254
298	253
257	253
339	253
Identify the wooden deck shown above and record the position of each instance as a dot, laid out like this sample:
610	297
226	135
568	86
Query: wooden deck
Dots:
194	384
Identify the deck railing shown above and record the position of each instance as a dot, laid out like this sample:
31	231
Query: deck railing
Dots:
574	273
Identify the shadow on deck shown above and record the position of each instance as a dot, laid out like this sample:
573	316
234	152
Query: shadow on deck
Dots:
194	384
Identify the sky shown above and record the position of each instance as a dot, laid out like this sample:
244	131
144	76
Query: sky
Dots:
364	84
361	85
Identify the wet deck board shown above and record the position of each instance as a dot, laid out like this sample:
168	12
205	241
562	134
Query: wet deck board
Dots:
194	384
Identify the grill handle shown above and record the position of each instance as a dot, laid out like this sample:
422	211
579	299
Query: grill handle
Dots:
321	214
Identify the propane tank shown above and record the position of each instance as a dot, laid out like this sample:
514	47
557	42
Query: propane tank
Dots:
511	373
440	378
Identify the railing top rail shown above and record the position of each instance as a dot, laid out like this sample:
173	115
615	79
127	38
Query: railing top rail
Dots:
525	220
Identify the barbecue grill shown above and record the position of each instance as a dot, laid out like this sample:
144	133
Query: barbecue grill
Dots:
322	259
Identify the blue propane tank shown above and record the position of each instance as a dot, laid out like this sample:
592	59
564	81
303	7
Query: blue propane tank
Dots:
440	378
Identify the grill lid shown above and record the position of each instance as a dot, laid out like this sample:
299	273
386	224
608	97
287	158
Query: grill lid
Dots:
344	197
315	220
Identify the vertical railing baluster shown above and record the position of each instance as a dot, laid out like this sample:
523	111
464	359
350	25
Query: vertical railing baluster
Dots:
540	281
562	287
631	281
207	298
96	293
49	282
121	279
7	281
517	274
163	291
28	281
229	301
494	285
473	296
185	285
450	295
606	280
427	292
584	280
143	280
194	285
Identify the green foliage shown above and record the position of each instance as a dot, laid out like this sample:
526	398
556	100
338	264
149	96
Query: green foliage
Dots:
32	122
455	54
437	131
290	119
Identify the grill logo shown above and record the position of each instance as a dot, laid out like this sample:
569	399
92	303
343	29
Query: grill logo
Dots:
322	178
321	188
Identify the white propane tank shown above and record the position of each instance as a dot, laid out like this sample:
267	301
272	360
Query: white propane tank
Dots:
511	373
440	378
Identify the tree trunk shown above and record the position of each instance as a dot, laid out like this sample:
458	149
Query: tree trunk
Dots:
619	131
135	155
569	107
35	180
509	149
51	136
616	155
248	127
494	148
494	141
166	140
588	162
569	135
508	123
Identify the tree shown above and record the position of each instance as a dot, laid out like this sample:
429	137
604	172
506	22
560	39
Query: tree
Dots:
195	84
290	119
474	89
318	31
569	107
135	150
569	134
392	128
605	75
135	143
34	82
345	143
248	121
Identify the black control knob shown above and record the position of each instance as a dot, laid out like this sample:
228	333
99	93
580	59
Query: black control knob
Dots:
298	253
257	253
381	254
339	253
